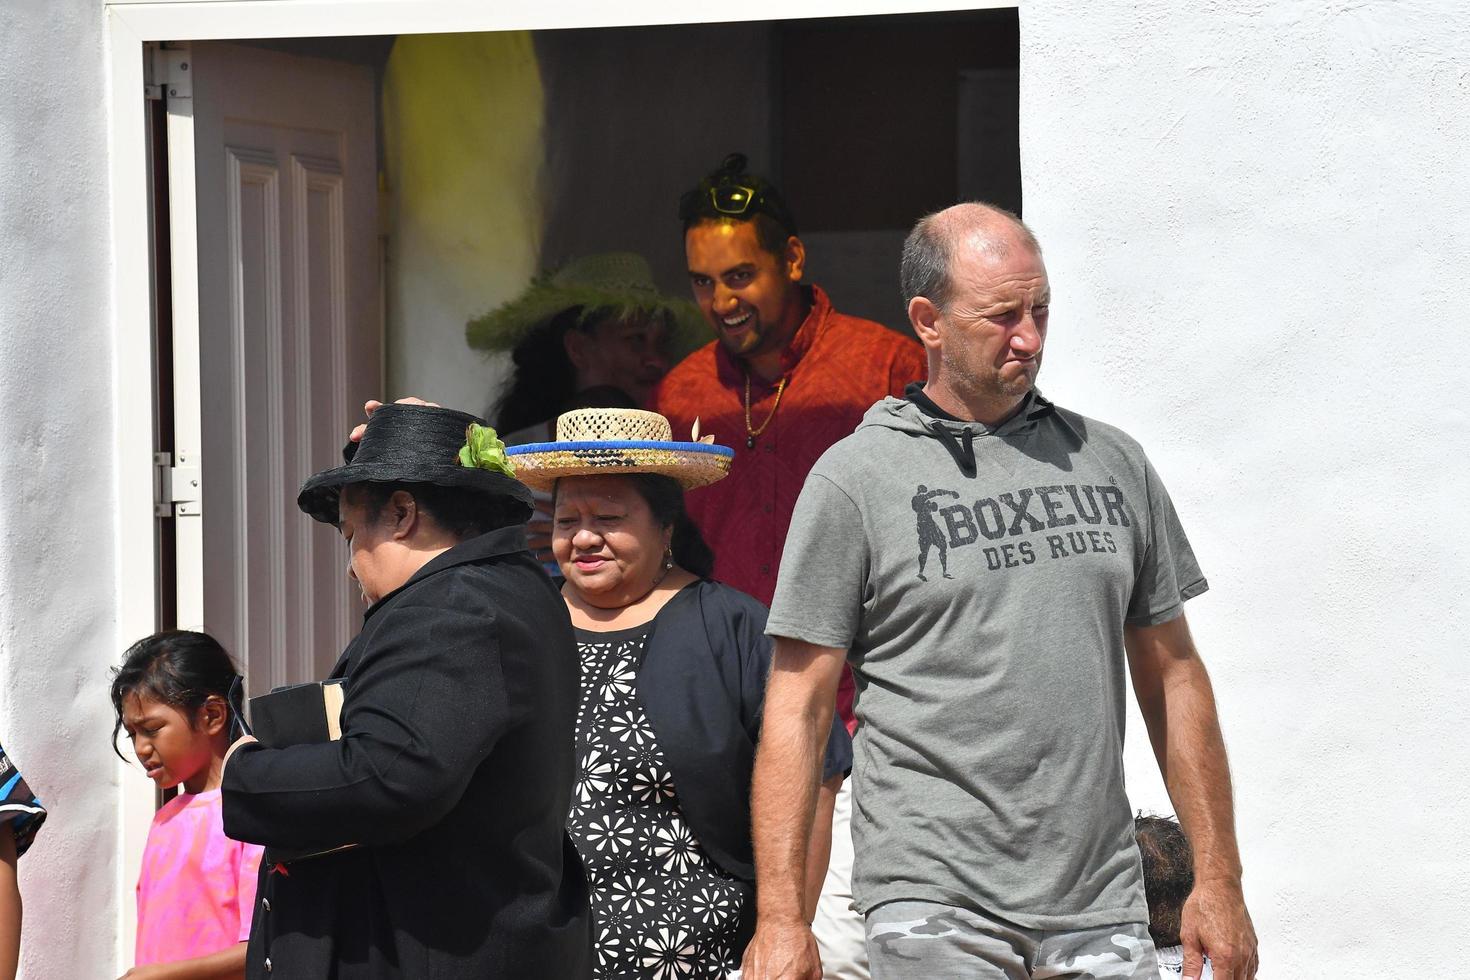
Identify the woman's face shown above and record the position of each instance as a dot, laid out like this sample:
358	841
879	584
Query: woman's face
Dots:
606	540
377	553
631	355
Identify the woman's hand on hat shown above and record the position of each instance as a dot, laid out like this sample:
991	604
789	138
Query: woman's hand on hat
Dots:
372	405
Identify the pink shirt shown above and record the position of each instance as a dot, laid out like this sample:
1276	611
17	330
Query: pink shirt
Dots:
197	889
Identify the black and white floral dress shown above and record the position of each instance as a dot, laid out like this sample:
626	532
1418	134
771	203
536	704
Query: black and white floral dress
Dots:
661	908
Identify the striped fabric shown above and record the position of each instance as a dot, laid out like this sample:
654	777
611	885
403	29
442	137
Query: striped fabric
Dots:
18	805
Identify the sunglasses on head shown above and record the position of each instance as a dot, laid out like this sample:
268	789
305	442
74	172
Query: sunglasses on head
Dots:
727	198
733	199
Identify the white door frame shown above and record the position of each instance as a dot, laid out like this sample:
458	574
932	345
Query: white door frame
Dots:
131	23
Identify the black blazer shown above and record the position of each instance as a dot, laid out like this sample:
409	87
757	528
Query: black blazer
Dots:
702	684
454	773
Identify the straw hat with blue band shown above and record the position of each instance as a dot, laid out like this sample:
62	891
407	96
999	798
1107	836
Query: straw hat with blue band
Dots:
618	441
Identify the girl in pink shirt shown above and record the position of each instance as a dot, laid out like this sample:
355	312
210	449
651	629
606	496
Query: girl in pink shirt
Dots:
176	697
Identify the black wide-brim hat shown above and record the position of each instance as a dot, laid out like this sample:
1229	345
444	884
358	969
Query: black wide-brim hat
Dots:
410	444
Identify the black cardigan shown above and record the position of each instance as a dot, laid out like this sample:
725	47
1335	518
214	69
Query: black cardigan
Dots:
702	684
454	771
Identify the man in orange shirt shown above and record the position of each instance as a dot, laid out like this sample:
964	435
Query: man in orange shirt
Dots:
785	378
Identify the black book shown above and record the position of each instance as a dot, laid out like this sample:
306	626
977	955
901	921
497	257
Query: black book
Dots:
298	714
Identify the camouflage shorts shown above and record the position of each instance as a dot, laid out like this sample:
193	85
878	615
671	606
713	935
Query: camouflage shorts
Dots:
929	941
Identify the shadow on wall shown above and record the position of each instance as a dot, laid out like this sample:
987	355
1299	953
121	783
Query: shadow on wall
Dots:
462	134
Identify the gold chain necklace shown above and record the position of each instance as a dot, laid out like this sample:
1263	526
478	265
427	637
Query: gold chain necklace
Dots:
750	433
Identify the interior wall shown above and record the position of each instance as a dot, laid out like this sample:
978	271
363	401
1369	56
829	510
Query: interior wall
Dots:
634	118
57	563
1257	225
462	137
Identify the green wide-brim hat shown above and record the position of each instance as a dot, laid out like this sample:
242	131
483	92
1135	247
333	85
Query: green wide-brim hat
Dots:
616	283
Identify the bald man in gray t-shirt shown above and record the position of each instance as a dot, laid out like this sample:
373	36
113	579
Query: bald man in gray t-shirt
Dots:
992	831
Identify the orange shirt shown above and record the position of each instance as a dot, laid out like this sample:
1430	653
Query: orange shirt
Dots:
837	366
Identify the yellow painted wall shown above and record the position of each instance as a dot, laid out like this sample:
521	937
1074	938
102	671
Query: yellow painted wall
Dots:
462	127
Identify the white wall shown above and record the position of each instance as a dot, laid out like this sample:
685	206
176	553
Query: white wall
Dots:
57	605
1257	224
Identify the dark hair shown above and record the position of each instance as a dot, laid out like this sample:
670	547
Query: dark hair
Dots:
773	220
665	499
179	668
927	253
543	377
544	381
598	396
463	513
1168	874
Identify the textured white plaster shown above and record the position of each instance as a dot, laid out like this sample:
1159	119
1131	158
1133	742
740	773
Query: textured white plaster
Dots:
57	597
1257	223
1257	220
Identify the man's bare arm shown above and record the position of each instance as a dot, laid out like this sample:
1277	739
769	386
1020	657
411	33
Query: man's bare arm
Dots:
819	848
1178	706
800	698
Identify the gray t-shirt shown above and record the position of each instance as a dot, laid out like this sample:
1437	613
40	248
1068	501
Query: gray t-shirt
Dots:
980	579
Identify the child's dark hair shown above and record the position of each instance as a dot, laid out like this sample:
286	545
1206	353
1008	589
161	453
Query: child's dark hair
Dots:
179	668
1168	874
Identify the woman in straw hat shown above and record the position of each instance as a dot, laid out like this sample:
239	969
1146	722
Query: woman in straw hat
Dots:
673	677
454	767
595	333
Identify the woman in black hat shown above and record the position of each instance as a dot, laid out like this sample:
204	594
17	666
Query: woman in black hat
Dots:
443	803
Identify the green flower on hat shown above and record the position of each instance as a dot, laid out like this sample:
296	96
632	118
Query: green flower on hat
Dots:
617	284
483	450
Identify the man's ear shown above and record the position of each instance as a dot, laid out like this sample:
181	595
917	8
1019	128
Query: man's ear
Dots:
213	716
924	318
795	258
403	512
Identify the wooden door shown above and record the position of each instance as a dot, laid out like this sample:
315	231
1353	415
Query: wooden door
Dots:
279	345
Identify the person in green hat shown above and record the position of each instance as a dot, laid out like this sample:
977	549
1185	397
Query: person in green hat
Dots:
596	333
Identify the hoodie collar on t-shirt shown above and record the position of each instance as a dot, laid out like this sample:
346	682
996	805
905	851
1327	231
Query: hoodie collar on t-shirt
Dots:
916	413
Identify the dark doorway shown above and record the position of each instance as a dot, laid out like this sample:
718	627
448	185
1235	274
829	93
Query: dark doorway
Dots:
865	123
